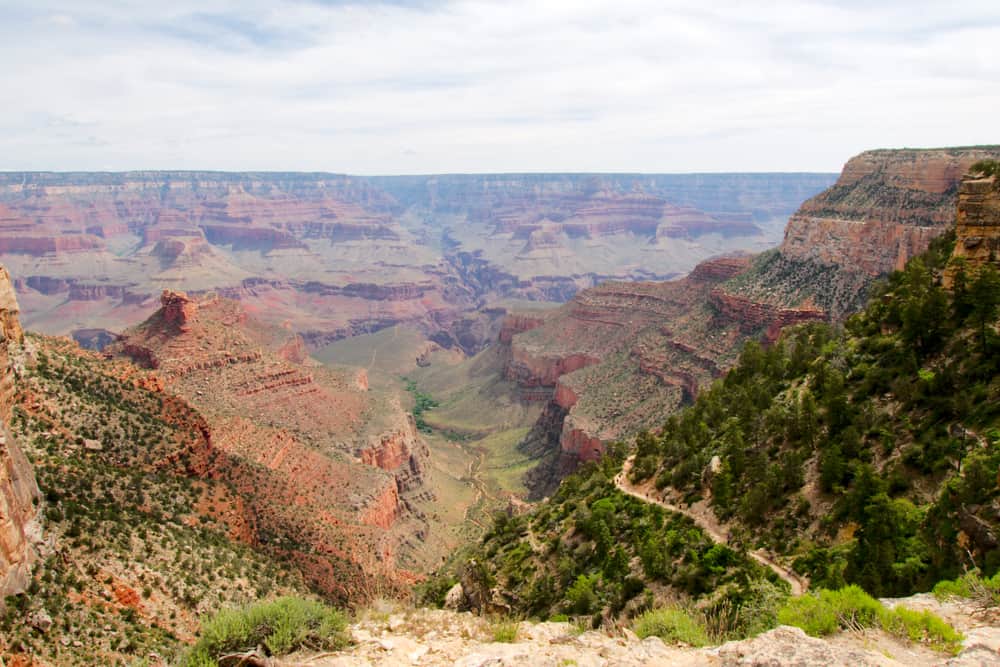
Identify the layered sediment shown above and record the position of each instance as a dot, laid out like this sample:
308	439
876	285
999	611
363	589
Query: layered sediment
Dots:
320	458
20	500
339	255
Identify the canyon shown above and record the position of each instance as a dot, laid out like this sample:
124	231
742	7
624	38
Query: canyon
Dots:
325	463
337	256
320	466
623	356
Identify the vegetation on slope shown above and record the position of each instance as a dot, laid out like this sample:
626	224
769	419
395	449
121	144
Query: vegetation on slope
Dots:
870	454
592	551
140	547
866	454
265	629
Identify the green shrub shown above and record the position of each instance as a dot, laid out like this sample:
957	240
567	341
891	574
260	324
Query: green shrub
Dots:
850	608
280	626
953	588
924	627
504	630
672	625
985	591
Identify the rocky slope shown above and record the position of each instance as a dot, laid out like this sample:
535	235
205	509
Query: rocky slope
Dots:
436	637
20	530
621	357
338	255
325	462
144	532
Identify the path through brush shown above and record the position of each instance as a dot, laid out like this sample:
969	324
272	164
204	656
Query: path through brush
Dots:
705	518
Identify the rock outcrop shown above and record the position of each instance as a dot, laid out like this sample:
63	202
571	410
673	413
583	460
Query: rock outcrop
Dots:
20	530
621	357
977	228
439	637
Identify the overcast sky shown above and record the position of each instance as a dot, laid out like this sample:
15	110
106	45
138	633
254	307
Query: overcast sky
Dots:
430	87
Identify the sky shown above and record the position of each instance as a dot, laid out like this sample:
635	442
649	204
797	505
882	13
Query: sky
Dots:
397	87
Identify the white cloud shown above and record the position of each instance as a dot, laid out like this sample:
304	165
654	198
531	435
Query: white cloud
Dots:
589	85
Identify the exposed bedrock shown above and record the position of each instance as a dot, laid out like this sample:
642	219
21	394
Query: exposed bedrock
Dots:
977	228
20	500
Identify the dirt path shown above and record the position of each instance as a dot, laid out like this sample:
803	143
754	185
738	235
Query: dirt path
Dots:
705	518
477	459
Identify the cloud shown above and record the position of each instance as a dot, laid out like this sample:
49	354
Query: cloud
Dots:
587	85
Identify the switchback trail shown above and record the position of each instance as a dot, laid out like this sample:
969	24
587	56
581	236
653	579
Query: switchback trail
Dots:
707	521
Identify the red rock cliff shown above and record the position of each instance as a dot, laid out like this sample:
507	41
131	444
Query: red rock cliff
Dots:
884	209
19	495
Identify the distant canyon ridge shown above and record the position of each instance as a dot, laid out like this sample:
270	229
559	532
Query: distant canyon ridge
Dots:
330	256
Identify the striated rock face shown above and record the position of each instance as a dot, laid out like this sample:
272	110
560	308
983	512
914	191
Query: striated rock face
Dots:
337	255
177	310
977	228
321	460
621	357
755	315
19	495
886	207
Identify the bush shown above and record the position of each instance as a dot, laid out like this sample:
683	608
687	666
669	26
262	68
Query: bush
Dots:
672	625
280	627
504	630
924	627
983	591
829	611
850	608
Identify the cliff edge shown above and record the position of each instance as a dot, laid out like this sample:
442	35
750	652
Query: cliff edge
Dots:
19	495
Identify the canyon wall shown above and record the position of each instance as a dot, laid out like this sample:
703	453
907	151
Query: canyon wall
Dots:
322	459
20	500
339	255
650	347
885	208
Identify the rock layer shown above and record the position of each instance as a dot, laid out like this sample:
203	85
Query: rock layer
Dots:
339	255
323	461
20	529
622	357
885	208
977	228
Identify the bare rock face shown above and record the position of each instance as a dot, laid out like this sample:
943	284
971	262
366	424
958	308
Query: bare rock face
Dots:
977	229
317	456
19	495
786	645
885	208
620	356
177	309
